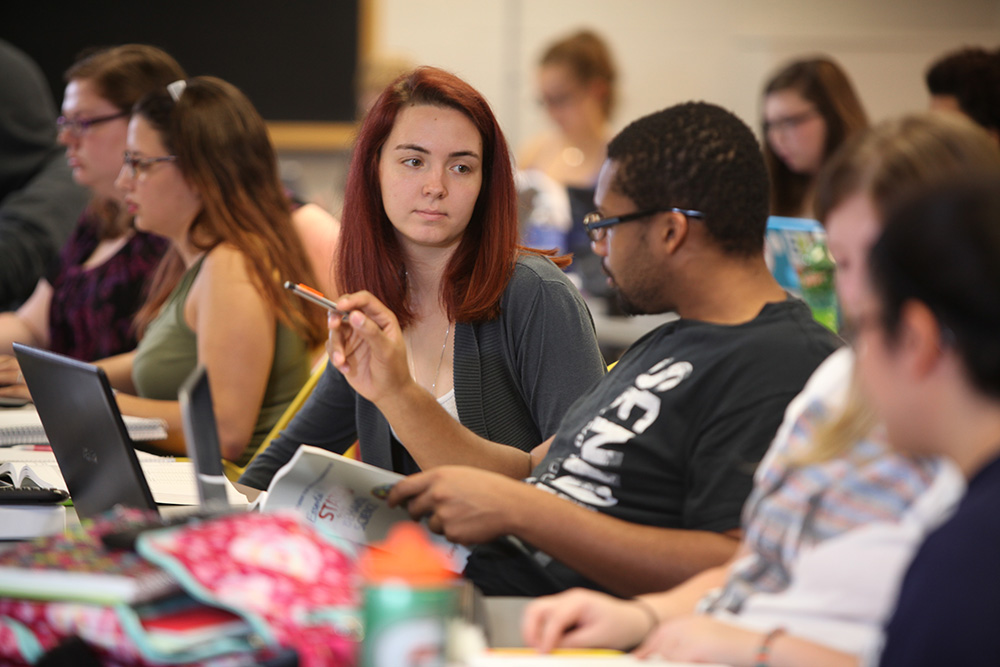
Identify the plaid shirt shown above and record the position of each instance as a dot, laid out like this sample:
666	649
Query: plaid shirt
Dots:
795	507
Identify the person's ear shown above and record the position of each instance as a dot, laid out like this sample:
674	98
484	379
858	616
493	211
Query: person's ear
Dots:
672	229
920	338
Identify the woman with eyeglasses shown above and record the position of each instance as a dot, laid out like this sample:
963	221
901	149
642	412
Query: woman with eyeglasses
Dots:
84	307
576	83
835	513
809	110
201	173
494	331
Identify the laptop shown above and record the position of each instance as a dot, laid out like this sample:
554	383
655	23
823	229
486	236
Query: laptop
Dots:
202	438
86	432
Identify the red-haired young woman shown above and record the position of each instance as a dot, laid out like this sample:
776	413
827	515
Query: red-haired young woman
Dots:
494	331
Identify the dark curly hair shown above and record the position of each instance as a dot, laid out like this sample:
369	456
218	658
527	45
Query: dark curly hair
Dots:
972	76
697	156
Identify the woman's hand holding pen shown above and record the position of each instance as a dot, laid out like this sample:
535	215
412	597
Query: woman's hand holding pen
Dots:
368	347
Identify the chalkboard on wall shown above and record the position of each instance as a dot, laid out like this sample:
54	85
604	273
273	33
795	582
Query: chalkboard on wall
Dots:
294	59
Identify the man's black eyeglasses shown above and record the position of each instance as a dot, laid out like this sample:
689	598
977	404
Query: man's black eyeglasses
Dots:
597	225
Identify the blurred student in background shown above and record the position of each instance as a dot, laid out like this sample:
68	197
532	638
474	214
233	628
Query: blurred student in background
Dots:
85	305
929	357
809	109
39	202
835	514
495	332
967	81
200	171
558	168
576	83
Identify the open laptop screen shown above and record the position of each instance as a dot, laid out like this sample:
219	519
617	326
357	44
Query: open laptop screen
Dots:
86	432
202	437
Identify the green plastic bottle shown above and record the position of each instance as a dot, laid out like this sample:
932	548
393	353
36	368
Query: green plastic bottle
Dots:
818	287
410	597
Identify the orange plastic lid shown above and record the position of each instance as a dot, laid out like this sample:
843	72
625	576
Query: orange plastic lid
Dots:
406	554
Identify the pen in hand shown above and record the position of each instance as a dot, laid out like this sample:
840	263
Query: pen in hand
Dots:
317	297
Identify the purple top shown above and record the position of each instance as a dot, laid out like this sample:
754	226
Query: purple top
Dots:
91	313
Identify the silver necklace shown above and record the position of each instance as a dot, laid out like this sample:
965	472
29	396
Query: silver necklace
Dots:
413	362
440	359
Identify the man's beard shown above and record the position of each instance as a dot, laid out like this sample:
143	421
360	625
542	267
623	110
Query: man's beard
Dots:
625	305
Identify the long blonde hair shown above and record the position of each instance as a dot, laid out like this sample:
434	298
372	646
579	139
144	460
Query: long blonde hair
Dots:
885	163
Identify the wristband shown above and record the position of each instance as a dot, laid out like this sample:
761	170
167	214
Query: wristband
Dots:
649	611
764	652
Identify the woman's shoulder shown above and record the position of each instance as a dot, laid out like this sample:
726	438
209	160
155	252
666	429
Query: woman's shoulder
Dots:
536	274
539	287
537	149
224	258
223	269
531	267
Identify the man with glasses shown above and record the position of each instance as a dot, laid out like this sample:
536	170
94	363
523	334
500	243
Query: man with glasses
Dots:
39	202
643	484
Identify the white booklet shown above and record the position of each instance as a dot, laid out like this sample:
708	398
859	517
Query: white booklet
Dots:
344	497
19	475
27	521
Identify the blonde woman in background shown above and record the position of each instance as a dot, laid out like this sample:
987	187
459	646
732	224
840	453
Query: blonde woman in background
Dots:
558	168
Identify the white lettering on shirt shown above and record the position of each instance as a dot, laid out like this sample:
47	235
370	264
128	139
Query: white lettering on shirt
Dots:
584	477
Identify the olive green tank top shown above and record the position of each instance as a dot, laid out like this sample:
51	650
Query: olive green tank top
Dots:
168	353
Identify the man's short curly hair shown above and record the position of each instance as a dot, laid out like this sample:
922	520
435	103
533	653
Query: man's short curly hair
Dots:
972	76
697	156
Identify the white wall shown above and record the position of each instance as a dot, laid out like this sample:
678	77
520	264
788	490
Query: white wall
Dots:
669	51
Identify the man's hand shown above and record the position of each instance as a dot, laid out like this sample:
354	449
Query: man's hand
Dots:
466	505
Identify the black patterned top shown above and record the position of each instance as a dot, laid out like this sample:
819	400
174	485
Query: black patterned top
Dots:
91	313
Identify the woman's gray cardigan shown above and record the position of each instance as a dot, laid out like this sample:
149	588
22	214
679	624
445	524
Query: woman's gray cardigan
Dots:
514	376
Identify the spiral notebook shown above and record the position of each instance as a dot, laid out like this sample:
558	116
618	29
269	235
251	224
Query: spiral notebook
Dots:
23	426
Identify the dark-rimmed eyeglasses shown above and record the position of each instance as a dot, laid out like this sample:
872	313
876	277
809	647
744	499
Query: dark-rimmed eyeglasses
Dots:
597	225
79	126
140	165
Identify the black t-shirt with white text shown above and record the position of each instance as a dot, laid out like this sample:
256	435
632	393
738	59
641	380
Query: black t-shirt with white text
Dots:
670	437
